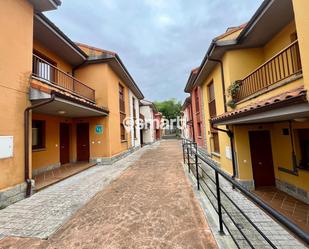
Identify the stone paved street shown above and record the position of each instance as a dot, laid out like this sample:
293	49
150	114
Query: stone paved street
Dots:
151	205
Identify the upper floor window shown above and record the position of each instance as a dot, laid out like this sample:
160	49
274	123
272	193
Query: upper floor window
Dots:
44	67
212	100
134	118
197	101
122	112
121	99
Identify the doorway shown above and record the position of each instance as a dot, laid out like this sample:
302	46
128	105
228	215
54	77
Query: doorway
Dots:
64	143
262	159
82	142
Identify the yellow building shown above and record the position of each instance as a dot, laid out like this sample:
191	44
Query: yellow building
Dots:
254	81
61	103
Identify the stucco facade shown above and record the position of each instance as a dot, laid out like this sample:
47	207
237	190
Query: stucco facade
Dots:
278	62
76	100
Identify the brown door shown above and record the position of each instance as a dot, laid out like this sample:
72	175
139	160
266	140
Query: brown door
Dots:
64	143
262	159
82	142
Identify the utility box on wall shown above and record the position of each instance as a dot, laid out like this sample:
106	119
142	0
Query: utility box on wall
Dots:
6	147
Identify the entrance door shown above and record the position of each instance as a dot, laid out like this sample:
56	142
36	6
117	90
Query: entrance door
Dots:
82	135
262	159
141	137
64	143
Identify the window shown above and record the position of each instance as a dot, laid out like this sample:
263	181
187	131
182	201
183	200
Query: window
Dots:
197	101
199	129
43	67
303	136
215	137
122	132
38	134
134	118
122	112
121	99
212	100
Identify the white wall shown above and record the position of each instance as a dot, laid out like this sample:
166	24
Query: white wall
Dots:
185	130
148	134
135	142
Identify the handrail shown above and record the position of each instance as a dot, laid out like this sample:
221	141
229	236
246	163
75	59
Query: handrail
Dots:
279	67
271	58
42	69
190	147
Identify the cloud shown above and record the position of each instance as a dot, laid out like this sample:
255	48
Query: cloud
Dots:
159	41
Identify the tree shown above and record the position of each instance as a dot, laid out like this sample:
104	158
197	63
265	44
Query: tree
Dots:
169	108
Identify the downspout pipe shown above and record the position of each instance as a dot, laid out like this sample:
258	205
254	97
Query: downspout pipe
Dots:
26	140
231	136
227	131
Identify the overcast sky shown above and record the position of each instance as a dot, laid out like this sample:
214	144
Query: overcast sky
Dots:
159	41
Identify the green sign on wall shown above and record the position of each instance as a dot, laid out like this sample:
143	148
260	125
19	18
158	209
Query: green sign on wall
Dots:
99	129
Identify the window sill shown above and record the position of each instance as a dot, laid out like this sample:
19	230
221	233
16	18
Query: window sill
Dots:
38	150
216	154
124	141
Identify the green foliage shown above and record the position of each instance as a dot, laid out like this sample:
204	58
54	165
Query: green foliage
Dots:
169	108
233	89
231	103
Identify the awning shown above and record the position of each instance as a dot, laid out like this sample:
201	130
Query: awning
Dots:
286	106
66	105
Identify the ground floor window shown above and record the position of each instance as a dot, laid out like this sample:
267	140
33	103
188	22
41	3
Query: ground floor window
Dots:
122	128
38	134
199	129
215	137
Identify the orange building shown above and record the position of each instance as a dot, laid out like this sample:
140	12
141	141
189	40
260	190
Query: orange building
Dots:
61	103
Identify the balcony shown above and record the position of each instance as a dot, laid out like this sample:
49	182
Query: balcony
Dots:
50	74
282	66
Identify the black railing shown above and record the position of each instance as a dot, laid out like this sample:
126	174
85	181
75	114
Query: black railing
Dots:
210	185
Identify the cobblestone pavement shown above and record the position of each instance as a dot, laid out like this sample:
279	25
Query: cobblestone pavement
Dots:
274	231
151	205
44	212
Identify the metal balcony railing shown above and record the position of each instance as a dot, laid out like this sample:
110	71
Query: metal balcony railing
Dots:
280	67
232	218
43	70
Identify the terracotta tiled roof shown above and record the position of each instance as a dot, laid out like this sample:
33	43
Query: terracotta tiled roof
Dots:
48	89
96	49
195	70
273	102
229	31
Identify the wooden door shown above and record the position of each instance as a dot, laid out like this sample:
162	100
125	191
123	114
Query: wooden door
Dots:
262	159
82	135
64	143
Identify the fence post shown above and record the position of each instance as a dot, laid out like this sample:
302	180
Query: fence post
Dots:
197	174
219	203
188	154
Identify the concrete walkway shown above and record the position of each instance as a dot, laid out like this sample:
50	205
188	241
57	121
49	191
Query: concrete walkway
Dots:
278	235
151	205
